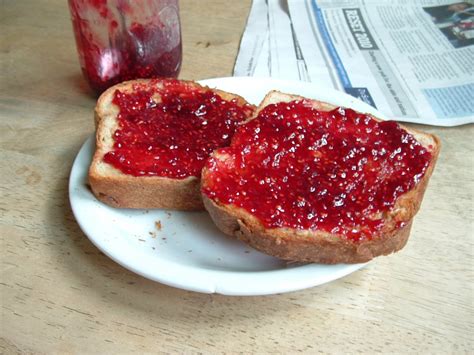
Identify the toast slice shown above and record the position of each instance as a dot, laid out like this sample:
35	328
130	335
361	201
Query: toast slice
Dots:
153	137
306	181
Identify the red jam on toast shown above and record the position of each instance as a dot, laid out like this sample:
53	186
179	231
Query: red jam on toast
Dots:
297	167
170	131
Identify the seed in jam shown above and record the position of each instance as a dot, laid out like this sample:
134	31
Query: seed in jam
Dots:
297	167
171	131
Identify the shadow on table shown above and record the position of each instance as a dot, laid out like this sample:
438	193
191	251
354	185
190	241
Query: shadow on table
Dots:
80	85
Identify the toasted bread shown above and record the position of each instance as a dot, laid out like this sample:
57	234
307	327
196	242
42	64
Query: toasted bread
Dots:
296	243
119	188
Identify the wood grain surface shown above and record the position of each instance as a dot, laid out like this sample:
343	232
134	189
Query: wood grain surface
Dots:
60	294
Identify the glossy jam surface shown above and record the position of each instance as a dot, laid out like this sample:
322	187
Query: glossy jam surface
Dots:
118	40
173	137
297	167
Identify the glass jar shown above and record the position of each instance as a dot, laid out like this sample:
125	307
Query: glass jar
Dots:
120	40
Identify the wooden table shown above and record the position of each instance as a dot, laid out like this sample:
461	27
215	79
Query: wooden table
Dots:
60	294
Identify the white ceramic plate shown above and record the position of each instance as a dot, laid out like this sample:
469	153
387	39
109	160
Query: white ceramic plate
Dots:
188	251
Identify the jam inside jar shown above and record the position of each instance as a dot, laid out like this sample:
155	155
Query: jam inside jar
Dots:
120	40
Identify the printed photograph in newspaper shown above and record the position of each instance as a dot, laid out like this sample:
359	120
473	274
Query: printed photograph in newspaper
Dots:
455	21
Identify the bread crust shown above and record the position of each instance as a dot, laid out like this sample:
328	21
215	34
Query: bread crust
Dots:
117	189
126	191
302	246
319	246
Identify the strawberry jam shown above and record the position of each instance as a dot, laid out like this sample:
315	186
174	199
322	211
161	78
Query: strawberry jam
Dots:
171	131
297	167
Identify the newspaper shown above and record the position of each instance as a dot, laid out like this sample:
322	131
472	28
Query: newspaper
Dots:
412	60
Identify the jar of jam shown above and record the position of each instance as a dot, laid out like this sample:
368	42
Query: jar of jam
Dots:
120	40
